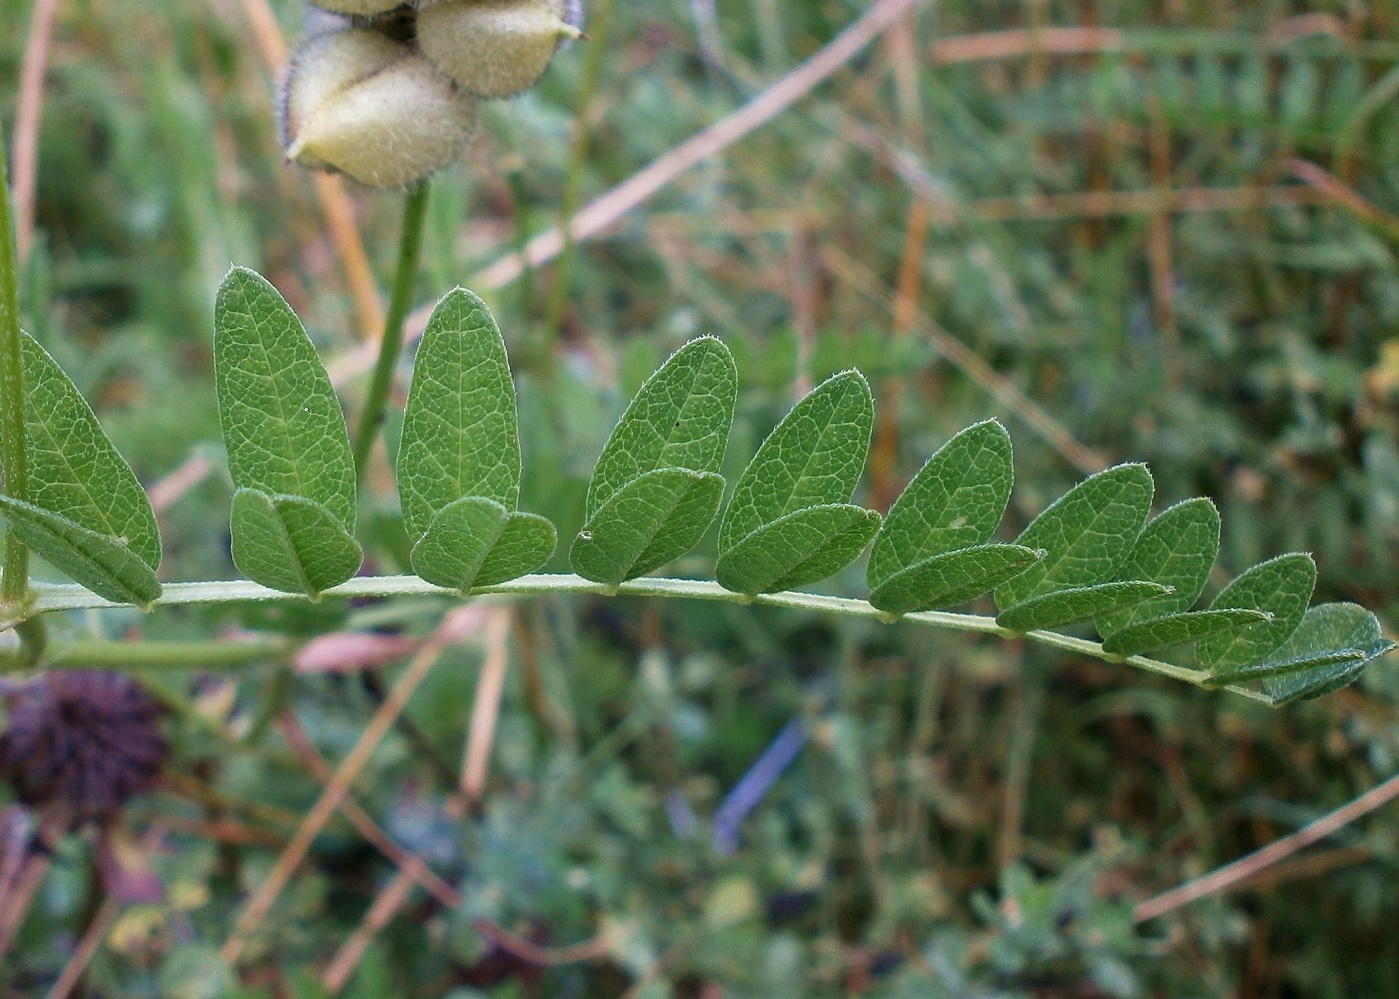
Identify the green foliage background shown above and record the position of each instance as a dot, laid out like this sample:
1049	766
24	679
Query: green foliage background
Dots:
986	813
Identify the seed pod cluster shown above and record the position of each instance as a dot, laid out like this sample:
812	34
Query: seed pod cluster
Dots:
388	93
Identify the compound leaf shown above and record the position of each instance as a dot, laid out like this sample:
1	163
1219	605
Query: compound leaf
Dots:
1281	586
1178	549
952	578
74	470
803	547
1087	534
460	431
281	422
954	502
1060	607
101	563
291	544
476	541
652	520
679	418
1327	626
813	457
1177	629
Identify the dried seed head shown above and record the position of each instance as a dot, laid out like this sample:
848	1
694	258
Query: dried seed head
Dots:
367	106
82	741
496	48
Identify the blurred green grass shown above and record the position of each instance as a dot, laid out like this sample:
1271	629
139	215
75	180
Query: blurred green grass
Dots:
989	814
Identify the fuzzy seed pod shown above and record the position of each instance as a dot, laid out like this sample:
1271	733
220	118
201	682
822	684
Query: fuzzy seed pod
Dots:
496	48
369	107
83	742
362	8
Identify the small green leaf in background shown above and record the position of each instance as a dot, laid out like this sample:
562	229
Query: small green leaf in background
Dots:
102	564
1281	586
1078	603
1177	629
1177	548
478	542
650	521
679	418
1327	626
953	578
460	433
1087	534
954	502
281	422
812	458
656	488
290	543
288	449
803	547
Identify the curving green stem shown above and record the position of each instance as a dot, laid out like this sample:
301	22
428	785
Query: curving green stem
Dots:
409	249
49	597
13	454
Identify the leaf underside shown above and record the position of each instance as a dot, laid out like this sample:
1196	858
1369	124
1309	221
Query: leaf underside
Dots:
476	541
460	430
803	547
291	544
1331	626
1079	603
281	422
105	566
652	520
952	578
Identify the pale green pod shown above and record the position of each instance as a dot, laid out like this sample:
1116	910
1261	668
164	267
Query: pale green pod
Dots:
361	8
371	108
495	48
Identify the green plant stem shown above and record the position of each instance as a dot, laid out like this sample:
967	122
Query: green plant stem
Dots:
13	453
601	21
51	597
409	249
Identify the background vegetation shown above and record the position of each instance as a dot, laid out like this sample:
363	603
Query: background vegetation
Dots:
1168	235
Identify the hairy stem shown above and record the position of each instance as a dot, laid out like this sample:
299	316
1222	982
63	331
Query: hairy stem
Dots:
13	454
48	597
409	249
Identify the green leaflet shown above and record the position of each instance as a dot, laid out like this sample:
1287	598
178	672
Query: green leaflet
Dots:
74	471
291	544
1281	586
650	521
458	462
812	458
460	435
1178	548
1177	629
1277	667
1060	607
87	515
679	418
281	422
953	503
101	563
478	542
953	578
1337	627
803	547
655	489
1087	534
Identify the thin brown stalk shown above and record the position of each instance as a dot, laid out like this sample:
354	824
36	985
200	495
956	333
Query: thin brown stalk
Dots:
28	110
1231	875
408	863
544	957
485	710
338	973
335	791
